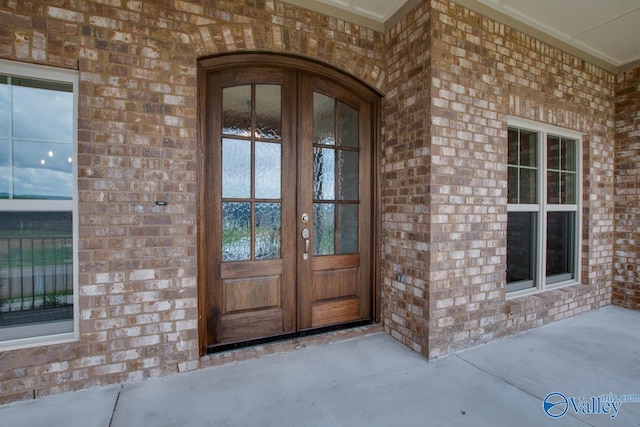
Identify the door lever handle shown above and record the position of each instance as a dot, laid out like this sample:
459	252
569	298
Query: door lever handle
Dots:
305	236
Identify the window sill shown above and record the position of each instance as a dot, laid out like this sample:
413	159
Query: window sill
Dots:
522	303
23	343
535	291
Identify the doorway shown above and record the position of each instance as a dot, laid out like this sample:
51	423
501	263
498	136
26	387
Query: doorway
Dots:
287	234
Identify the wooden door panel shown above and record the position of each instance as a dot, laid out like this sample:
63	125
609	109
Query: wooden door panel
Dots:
335	283
335	312
251	293
252	324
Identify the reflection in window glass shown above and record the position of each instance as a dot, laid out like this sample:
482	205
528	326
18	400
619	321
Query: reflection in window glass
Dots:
42	111
4	107
36	273
561	170
523	166
36	158
560	246
521	249
42	170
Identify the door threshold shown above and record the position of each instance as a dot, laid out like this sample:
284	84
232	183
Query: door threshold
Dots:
220	348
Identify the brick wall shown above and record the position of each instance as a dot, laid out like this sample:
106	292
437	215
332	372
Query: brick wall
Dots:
626	286
482	72
137	144
406	164
489	71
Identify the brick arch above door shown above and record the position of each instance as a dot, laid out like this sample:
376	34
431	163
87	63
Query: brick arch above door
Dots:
355	50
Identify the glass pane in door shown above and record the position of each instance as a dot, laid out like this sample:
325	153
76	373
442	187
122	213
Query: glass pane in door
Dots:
236	231
347	229
268	111
236	110
347	175
347	126
323	119
324	228
236	168
268	227
268	170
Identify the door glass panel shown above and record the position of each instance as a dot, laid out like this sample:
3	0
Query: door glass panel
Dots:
347	126
323	119
236	110
268	111
236	168
267	235
267	170
348	175
323	229
347	229
236	231
324	176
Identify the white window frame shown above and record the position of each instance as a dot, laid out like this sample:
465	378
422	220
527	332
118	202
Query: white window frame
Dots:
51	333
542	208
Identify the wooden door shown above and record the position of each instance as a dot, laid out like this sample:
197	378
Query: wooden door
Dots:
334	279
285	205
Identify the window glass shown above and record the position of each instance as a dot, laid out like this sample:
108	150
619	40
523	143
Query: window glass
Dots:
521	249
36	270
37	159
543	230
560	246
523	166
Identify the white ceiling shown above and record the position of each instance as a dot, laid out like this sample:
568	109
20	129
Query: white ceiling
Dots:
606	29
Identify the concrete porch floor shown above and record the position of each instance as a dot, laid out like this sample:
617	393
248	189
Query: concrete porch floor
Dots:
375	381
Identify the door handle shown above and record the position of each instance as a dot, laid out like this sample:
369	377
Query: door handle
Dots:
305	236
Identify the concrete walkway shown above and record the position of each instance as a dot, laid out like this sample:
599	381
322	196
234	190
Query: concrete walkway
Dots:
374	381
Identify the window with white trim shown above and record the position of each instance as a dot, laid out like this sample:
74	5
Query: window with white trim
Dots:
38	262
543	220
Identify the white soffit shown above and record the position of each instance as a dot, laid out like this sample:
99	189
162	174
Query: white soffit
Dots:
377	10
606	29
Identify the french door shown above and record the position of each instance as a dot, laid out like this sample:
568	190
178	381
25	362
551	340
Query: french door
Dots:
286	225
